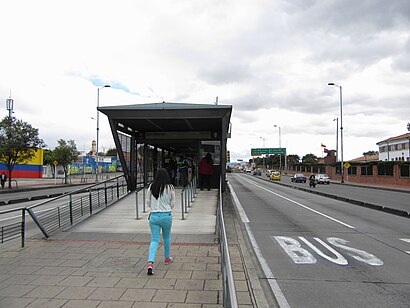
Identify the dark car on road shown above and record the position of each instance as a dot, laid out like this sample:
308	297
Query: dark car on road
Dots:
298	178
257	172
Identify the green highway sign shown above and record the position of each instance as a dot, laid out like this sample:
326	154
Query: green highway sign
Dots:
268	151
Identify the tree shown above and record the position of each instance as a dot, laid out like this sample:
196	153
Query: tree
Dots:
112	152
18	141
293	159
368	153
309	159
65	153
48	158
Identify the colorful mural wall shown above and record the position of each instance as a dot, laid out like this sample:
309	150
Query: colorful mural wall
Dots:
86	165
32	168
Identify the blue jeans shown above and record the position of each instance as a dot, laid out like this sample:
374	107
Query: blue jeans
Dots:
158	221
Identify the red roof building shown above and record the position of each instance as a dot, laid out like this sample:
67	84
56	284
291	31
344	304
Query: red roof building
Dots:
395	148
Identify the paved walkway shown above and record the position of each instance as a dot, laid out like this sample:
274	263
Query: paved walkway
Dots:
102	263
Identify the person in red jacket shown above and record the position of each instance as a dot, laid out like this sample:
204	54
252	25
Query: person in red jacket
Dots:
205	171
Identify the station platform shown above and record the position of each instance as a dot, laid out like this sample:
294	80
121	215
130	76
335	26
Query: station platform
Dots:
101	262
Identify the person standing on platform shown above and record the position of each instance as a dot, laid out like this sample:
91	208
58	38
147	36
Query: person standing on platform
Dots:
161	199
172	167
205	171
183	171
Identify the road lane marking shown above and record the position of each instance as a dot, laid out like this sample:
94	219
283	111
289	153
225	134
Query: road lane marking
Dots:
407	240
273	283
299	204
239	207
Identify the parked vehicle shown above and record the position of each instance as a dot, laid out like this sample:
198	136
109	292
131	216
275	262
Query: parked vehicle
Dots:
275	176
322	178
257	172
298	178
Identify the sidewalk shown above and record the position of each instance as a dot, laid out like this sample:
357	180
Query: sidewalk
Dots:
400	188
39	183
102	263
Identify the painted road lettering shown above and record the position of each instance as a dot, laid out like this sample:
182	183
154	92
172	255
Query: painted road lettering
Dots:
300	255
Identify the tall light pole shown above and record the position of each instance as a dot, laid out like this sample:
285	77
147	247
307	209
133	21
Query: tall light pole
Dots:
98	129
280	147
341	129
337	137
263	157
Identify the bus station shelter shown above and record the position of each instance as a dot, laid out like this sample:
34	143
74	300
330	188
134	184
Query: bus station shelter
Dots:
146	135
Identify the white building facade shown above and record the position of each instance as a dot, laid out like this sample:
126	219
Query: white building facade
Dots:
395	148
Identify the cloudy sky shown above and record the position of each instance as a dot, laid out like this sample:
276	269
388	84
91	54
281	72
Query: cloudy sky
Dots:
271	60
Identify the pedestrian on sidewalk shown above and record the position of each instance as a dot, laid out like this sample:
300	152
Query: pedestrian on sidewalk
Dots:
205	171
161	199
3	179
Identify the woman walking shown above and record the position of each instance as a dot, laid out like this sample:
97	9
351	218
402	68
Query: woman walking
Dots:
161	199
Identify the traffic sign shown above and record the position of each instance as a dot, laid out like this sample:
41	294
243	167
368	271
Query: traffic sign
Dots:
346	164
55	163
262	151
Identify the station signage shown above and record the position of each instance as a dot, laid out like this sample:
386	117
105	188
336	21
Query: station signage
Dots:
268	151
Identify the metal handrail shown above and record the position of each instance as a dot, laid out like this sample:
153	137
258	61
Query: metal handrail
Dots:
65	215
229	291
188	194
140	186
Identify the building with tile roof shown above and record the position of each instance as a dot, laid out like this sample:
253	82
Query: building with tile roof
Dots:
395	148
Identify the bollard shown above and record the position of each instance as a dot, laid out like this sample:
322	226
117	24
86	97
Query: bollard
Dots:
143	200
105	193
182	205
91	200
186	201
71	209
23	226
136	204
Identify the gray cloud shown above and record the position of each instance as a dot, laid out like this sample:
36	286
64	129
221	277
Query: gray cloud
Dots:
225	73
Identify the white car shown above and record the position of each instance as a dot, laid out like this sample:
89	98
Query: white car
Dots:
322	178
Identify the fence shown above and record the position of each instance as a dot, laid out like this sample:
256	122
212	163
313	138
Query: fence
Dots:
229	291
188	194
75	206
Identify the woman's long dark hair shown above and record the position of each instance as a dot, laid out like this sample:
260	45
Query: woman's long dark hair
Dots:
160	182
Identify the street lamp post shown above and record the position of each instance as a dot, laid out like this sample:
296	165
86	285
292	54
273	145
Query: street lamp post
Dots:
98	129
263	157
280	147
337	137
341	129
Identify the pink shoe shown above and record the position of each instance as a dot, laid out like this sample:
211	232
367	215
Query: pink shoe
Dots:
150	269
168	260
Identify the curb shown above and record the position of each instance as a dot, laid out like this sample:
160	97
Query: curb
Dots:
373	187
23	189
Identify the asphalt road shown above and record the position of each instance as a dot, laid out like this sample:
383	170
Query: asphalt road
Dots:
27	195
320	252
383	197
